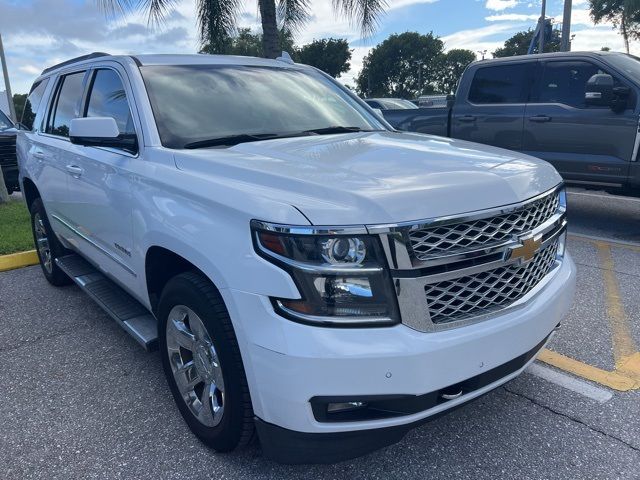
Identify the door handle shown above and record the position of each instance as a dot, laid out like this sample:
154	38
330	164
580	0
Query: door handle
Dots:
74	170
39	154
540	119
467	118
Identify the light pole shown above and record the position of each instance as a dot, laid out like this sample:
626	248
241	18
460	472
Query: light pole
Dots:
543	16
7	85
566	27
483	53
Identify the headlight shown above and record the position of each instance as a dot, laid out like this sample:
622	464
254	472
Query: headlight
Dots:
342	277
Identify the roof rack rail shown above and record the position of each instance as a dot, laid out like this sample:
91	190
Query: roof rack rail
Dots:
74	60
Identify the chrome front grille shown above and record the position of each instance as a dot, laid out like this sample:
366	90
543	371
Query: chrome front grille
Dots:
455	237
487	291
454	271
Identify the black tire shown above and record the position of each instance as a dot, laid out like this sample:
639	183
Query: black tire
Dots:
54	275
194	291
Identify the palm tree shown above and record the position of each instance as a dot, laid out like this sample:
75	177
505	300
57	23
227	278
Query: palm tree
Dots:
217	19
624	14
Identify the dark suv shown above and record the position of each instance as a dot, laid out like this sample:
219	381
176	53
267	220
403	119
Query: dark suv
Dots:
8	161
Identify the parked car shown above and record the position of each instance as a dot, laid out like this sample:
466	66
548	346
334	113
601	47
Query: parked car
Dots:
8	161
307	273
578	111
390	104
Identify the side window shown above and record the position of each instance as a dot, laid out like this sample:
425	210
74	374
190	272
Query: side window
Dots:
108	99
500	84
33	103
67	104
566	83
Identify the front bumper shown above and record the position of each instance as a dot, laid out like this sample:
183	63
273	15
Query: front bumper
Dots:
288	364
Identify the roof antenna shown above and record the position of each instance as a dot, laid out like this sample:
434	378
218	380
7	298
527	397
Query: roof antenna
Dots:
285	57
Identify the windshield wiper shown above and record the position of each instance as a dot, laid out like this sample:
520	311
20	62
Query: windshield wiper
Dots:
230	140
336	129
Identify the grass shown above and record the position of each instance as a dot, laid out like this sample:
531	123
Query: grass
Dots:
15	228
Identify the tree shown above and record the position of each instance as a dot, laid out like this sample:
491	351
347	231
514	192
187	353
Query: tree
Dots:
401	66
217	19
248	44
519	44
19	100
328	54
624	14
450	67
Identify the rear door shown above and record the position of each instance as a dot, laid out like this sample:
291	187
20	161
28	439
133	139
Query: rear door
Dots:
584	143
492	111
48	148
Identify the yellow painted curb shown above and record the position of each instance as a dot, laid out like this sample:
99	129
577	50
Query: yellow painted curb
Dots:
18	260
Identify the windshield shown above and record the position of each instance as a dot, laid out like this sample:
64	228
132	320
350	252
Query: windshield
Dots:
5	123
196	103
627	64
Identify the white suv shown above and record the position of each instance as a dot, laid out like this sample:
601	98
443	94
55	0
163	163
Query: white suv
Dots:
307	273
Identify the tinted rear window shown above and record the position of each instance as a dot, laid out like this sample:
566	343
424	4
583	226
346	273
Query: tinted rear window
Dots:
499	84
33	103
67	104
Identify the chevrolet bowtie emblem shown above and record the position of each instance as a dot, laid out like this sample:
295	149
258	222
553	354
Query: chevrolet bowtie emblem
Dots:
525	252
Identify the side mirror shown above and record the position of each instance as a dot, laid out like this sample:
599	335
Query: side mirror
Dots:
100	132
451	100
599	91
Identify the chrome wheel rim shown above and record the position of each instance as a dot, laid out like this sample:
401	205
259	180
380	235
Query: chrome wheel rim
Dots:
42	242
195	365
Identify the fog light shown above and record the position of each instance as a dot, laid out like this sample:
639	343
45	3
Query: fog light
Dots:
345	407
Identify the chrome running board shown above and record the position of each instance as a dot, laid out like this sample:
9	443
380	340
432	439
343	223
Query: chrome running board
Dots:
130	314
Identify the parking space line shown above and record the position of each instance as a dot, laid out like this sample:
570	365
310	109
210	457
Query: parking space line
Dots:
623	344
626	374
600	395
615	243
612	379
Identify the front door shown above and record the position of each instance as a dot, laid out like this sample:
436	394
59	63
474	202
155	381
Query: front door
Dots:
493	111
584	143
100	182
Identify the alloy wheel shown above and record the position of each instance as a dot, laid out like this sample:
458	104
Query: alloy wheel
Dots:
42	242
195	365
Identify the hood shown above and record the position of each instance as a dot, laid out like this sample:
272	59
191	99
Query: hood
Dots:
374	177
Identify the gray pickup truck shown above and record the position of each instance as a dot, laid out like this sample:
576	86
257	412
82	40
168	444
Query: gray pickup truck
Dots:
578	111
8	160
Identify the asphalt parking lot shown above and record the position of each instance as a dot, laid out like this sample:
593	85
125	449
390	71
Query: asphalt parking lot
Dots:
80	399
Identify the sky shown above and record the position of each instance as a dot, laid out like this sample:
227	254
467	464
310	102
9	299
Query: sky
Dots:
39	33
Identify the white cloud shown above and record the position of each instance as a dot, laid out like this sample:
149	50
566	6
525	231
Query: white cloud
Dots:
395	4
511	17
499	5
479	39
